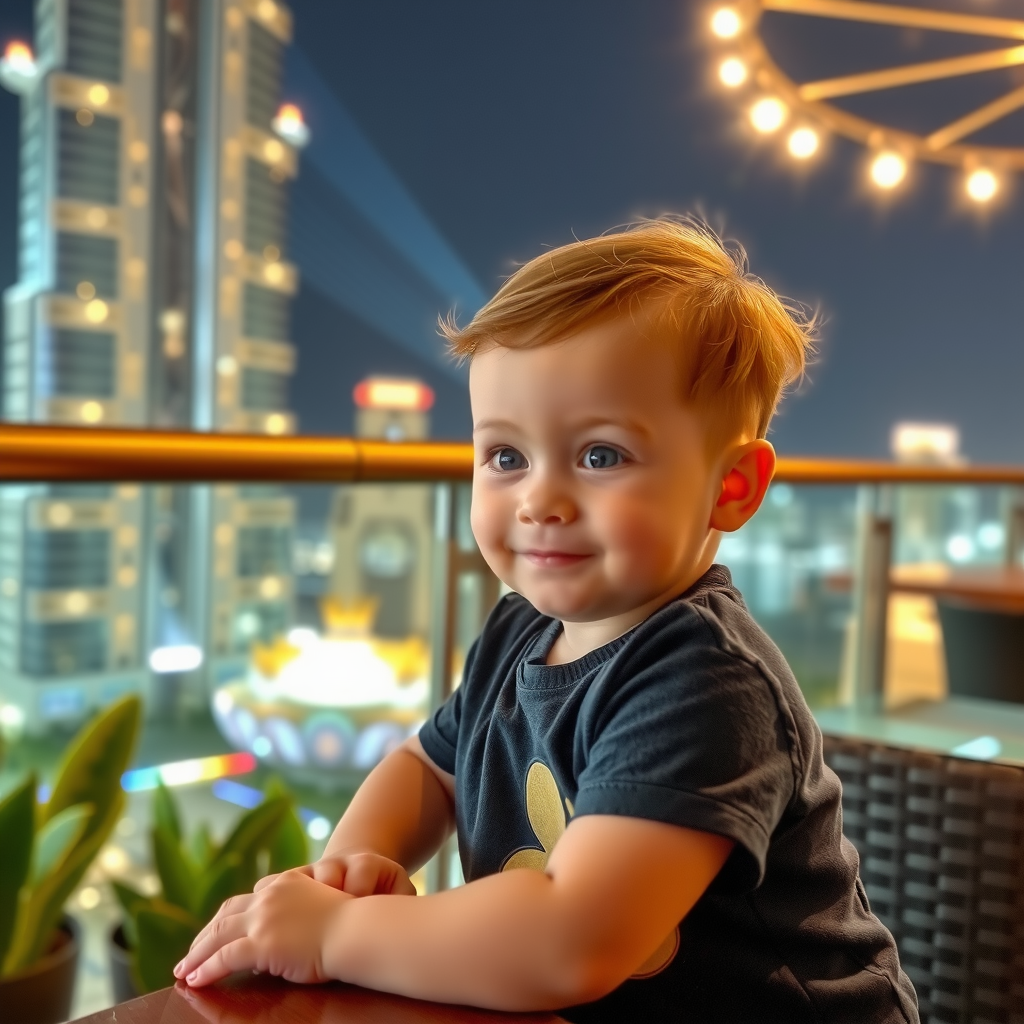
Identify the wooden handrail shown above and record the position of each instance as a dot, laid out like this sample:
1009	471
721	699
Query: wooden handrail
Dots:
45	454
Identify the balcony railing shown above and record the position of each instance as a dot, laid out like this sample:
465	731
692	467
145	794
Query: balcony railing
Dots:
47	454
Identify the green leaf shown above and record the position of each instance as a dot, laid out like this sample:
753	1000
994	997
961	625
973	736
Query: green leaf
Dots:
41	905
91	770
177	876
230	876
56	838
17	829
254	832
165	933
165	813
274	787
288	849
132	901
90	773
202	847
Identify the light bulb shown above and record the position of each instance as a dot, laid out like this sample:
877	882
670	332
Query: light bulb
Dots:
803	143
767	115
888	169
981	185
732	72
725	23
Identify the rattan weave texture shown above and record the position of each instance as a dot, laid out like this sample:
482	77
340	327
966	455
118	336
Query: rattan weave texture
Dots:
941	842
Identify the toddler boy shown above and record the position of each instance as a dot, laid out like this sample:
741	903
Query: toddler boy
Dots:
646	826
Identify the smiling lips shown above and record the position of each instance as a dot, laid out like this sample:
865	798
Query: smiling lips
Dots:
554	559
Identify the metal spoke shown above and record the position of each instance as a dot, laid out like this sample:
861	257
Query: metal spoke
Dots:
970	123
907	17
909	74
983	166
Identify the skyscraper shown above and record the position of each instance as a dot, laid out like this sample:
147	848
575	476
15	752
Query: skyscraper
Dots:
153	291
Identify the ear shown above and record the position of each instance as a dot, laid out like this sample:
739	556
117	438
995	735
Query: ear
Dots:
747	475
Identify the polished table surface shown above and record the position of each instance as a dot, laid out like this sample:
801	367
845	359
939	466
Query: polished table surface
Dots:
262	1000
998	588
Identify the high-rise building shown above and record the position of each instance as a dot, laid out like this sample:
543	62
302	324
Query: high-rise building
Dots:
383	533
153	292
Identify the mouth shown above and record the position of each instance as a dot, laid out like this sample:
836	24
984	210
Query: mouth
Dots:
554	559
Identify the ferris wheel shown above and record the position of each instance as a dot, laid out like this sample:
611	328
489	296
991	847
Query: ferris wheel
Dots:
801	111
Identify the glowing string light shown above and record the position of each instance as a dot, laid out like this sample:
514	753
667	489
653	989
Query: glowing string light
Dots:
888	169
768	115
981	185
732	72
803	143
725	23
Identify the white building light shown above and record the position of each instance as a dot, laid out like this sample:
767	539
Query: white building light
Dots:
175	658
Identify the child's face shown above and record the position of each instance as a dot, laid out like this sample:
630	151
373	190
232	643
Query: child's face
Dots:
594	485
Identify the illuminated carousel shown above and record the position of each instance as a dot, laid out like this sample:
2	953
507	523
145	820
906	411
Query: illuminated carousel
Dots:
969	94
337	702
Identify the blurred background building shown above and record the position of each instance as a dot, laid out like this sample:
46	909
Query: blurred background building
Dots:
153	290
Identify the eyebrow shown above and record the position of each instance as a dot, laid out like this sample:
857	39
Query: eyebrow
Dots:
626	423
632	425
495	424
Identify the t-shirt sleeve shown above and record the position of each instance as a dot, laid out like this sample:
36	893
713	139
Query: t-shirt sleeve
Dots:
690	734
489	656
440	733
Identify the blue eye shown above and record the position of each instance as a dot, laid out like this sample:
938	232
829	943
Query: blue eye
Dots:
601	456
508	460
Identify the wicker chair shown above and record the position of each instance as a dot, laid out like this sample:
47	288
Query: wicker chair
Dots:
941	842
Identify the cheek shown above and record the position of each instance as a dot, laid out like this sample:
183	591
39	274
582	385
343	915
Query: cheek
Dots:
650	530
487	517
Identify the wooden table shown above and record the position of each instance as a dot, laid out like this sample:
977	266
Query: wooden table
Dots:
245	999
997	588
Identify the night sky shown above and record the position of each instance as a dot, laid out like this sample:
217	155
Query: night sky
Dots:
515	126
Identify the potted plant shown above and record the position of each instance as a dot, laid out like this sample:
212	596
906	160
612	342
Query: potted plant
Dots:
45	850
196	876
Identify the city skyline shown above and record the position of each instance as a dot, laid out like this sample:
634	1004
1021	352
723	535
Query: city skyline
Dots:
154	291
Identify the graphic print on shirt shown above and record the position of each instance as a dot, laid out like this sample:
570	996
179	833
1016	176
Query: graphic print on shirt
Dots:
547	819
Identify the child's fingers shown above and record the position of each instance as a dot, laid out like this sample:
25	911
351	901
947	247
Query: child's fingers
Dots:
361	876
330	871
263	882
232	905
402	885
217	934
237	955
225	927
304	869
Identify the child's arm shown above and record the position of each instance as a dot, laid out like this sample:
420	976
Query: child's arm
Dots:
399	816
613	889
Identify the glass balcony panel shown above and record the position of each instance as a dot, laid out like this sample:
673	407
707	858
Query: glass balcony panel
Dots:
292	625
793	563
297	632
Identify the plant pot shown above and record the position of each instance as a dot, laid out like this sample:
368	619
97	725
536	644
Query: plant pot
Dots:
121	979
42	993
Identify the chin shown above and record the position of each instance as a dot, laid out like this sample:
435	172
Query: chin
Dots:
566	610
546	606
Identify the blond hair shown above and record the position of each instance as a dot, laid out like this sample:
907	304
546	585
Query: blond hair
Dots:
742	344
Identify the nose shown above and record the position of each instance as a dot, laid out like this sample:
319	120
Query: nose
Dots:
546	501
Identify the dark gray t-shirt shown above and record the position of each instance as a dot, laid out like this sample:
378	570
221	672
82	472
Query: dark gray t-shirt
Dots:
692	718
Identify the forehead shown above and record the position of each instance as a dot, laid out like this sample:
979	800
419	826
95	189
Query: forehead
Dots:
610	365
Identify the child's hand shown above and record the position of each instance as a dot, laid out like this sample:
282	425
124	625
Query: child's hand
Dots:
281	930
357	872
